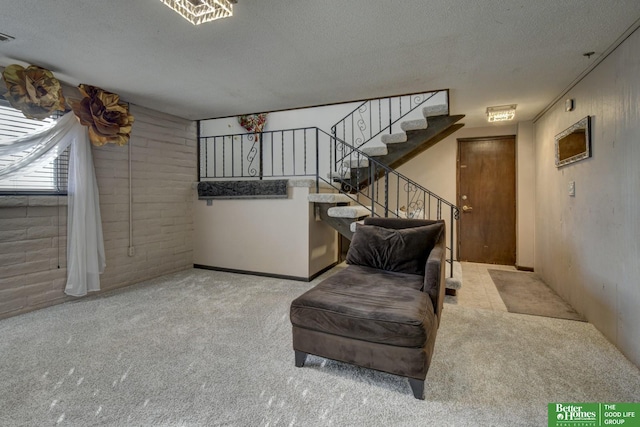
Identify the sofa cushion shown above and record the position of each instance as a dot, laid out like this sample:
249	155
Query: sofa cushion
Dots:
400	250
369	305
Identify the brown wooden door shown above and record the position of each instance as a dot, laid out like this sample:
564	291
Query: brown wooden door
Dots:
487	198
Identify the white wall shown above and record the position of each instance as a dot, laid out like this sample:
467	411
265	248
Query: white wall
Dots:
525	195
321	117
587	246
268	236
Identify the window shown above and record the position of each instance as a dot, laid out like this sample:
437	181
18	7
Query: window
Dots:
48	179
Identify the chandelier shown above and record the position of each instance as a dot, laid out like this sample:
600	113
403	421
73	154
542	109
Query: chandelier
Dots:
501	113
200	11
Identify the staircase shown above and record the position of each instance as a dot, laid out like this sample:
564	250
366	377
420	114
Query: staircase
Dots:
359	172
355	164
415	136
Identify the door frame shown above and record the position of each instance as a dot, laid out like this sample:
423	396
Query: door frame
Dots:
487	138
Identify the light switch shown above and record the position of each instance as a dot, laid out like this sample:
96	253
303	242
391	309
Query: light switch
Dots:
572	188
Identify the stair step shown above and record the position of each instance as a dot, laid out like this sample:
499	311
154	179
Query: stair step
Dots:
329	198
416	124
376	150
454	282
362	162
394	138
309	183
354	225
338	175
435	110
355	211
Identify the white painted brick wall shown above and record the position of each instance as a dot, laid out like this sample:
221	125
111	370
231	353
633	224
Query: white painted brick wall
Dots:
32	246
33	229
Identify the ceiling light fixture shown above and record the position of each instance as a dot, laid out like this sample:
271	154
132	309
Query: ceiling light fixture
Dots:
201	11
501	113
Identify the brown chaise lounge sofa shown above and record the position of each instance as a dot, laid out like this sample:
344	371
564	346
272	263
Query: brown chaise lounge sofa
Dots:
383	310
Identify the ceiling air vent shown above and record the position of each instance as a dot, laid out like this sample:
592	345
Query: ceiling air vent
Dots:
5	38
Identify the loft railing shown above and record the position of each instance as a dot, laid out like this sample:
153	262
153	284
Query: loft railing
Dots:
271	154
377	116
312	152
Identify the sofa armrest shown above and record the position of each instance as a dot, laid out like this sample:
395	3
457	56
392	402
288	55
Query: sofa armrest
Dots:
434	277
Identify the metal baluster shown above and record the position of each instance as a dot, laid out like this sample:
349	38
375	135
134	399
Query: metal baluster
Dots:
370	115
233	157
206	160
386	193
224	157
397	196
260	143
380	113
282	155
390	120
318	160
408	201
294	153
373	194
451	244
241	158
216	153
332	151
352	134
272	172
305	152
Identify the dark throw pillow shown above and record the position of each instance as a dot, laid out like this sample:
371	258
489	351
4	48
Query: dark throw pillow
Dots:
402	251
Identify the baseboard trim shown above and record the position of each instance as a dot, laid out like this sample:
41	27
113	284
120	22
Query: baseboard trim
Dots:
262	274
324	270
522	268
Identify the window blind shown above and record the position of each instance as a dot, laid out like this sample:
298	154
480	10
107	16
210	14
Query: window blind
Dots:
50	178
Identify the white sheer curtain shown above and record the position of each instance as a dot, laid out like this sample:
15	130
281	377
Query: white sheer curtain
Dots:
85	244
41	147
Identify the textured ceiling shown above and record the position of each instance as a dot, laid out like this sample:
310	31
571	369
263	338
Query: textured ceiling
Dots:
277	54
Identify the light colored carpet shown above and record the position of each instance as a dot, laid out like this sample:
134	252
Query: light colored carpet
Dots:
205	348
526	293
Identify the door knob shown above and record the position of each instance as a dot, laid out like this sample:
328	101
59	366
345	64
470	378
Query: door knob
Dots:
466	208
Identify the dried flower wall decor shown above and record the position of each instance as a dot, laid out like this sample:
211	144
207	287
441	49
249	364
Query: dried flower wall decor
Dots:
253	122
107	118
33	90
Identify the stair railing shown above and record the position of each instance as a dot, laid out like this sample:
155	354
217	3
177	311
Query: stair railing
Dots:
388	193
377	116
311	152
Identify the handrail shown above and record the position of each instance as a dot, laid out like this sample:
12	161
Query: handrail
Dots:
381	166
312	152
375	116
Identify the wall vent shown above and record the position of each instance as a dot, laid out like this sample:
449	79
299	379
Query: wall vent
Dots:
6	38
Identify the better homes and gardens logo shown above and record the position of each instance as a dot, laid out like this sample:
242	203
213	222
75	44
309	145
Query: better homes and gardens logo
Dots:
594	414
572	414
